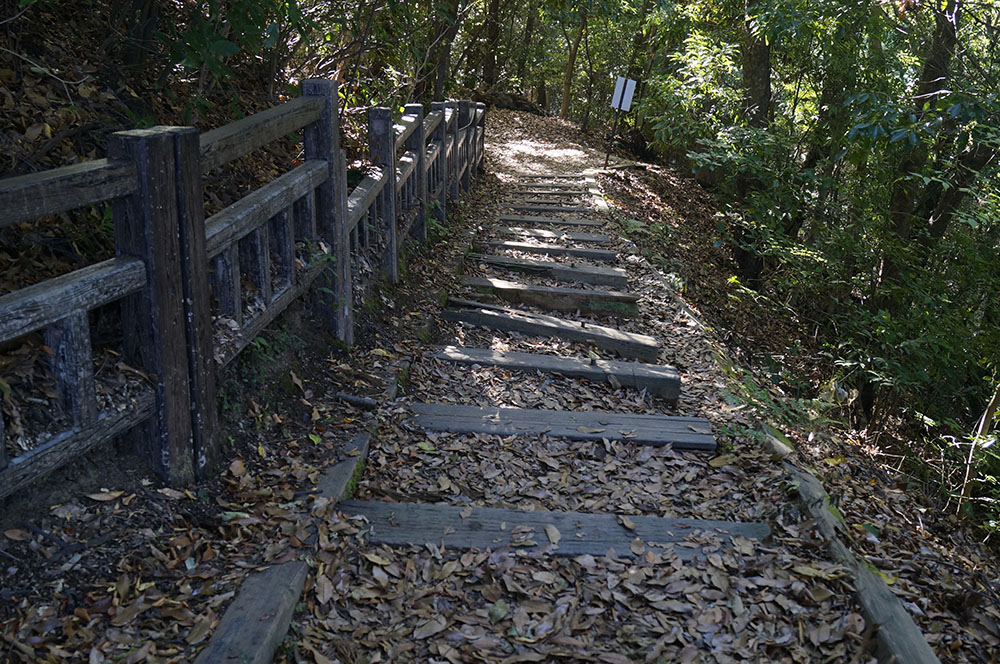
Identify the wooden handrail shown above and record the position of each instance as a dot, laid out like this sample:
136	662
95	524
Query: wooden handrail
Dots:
231	141
27	197
45	303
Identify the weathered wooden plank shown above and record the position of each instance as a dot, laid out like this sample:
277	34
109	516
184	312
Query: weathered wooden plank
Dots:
405	166
557	186
417	144
222	145
626	344
363	197
599	302
26	197
282	247
530	219
657	380
3	444
439	179
333	298
42	304
226	283
402	130
197	302
550	176
566	236
253	210
154	321
570	193
256	622
544	201
587	274
26	468
255	259
69	341
547	208
556	250
415	524
381	146
432	120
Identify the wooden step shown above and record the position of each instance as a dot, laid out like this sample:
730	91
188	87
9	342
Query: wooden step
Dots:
577	533
565	236
564	185
683	433
663	382
545	249
551	192
585	274
534	177
548	209
540	201
597	302
625	344
530	219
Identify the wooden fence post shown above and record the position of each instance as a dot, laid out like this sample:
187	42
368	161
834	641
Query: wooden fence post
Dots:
464	120
147	226
322	141
417	143
197	299
480	138
453	160
440	135
382	148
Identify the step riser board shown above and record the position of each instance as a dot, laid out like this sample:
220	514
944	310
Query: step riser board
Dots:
402	524
682	433
549	221
542	249
599	276
596	302
548	209
574	193
663	382
558	236
626	344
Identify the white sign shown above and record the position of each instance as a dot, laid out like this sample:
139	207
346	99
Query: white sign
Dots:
622	98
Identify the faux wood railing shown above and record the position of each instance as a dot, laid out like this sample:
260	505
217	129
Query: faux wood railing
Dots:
194	292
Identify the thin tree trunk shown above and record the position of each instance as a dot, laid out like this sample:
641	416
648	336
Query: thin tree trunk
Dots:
571	65
529	33
491	45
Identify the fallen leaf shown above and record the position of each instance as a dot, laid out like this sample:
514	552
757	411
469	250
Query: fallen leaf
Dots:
105	496
237	468
627	522
429	628
553	534
583	429
17	535
720	461
498	611
377	559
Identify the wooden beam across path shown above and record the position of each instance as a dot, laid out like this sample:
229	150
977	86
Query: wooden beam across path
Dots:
547	208
625	344
682	433
541	201
556	250
416	524
573	272
556	298
531	219
577	193
565	236
663	382
541	184
551	176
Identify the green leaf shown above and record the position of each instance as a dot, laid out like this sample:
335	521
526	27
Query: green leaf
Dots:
426	446
498	611
224	47
314	438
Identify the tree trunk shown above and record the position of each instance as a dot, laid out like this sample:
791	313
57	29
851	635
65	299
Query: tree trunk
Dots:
443	48
756	60
571	65
525	51
491	45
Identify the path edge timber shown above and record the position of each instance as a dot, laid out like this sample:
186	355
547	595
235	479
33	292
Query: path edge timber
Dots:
257	620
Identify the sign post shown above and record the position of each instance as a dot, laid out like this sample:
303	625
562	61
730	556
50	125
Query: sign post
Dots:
621	100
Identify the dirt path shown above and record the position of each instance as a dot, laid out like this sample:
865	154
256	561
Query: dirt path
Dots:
707	597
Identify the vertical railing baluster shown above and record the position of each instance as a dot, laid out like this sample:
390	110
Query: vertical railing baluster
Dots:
417	143
73	366
440	136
